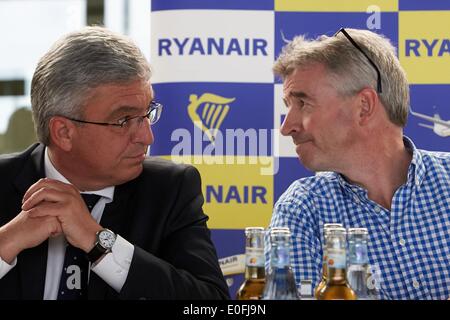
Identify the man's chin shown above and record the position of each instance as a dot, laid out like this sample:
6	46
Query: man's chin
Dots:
136	171
130	174
306	165
309	164
314	167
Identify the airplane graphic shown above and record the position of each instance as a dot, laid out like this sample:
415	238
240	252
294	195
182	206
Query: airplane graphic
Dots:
440	126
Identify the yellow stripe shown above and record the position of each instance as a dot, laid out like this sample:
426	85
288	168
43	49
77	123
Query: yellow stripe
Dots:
243	174
205	108
335	5
212	108
222	116
217	112
423	65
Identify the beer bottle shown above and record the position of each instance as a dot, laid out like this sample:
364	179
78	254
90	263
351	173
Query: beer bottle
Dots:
336	287
253	286
280	284
323	281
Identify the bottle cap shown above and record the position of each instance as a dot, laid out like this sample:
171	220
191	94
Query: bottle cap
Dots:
332	225
250	230
336	231
357	231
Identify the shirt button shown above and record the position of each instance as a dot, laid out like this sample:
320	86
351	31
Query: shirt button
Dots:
417	182
416	284
402	242
377	209
356	199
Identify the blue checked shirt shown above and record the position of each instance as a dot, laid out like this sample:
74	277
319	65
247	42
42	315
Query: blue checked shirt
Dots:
410	243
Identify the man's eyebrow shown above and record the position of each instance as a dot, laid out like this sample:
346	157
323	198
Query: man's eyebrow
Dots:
296	95
299	94
122	110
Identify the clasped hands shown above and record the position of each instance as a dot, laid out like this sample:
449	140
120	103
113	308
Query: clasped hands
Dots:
49	208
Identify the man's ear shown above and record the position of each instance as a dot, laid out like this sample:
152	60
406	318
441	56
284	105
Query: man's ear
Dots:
62	131
368	104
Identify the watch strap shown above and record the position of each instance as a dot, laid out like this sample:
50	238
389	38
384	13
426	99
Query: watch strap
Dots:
98	250
96	253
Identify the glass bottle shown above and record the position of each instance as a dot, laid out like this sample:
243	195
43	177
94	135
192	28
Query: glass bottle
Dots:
359	273
253	286
280	283
358	261
336	287
323	281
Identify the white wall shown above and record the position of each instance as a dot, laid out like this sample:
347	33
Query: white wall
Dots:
130	17
29	27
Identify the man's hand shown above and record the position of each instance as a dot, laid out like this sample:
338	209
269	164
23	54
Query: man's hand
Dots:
24	232
51	198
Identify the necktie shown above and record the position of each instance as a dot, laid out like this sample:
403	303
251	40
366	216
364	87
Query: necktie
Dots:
74	276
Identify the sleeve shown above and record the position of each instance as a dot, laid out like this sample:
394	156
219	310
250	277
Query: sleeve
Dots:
306	250
5	267
187	266
114	266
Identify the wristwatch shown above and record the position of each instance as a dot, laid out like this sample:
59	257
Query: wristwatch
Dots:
103	245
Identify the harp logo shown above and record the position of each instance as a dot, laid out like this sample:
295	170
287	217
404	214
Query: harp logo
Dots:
208	111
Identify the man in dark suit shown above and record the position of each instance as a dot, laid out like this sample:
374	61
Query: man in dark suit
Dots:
141	232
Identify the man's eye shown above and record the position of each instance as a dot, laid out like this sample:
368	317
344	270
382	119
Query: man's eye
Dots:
123	120
301	103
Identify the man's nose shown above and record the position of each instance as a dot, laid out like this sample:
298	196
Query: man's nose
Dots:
289	124
144	133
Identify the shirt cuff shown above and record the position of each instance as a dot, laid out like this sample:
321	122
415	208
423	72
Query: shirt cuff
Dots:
114	266
5	267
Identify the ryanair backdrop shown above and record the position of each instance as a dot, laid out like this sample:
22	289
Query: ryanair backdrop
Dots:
223	108
424	52
213	126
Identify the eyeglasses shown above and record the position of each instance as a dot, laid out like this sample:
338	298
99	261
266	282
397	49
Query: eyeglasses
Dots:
353	42
128	123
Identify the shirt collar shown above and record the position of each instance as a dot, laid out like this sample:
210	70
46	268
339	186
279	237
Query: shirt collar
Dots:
349	187
416	169
52	173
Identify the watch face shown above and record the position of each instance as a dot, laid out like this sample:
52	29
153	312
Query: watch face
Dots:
106	239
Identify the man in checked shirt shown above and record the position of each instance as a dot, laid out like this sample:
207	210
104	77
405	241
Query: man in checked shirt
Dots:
347	102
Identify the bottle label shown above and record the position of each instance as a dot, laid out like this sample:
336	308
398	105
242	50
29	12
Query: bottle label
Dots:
336	258
280	257
358	254
374	277
254	257
325	255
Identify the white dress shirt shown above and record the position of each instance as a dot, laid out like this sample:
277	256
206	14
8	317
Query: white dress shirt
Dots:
114	266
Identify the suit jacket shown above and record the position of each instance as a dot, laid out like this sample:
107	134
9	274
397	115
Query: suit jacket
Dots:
159	212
